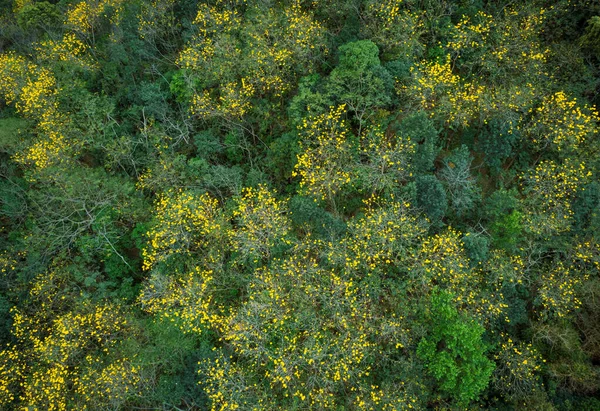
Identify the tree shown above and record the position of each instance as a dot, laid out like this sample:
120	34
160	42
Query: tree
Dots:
589	40
328	156
261	223
387	160
70	350
454	352
39	16
395	27
497	141
359	80
185	223
456	174
502	210
419	128
431	198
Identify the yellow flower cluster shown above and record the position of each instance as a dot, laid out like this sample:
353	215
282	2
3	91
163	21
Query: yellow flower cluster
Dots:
468	35
8	262
212	20
109	386
11	372
512	102
277	43
37	94
382	239
444	93
586	256
301	31
308	356
68	49
561	122
558	290
13	72
184	223
551	188
517	48
79	17
323	164
185	300
213	25
45	369
83	17
33	91
388	158
517	366
306	327
391	397
261	222
394	27
233	102
19	4
155	18
442	261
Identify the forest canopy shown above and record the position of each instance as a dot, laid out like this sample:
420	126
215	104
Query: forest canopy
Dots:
299	205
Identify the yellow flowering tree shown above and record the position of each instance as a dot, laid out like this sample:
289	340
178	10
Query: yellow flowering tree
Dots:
551	188
185	224
325	165
261	223
67	351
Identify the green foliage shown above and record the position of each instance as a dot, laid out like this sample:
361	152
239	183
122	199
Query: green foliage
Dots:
454	352
586	208
431	198
462	190
477	247
420	129
39	15
308	216
359	80
501	208
589	41
5	319
179	87
497	141
173	357
309	100
342	204
281	157
11	129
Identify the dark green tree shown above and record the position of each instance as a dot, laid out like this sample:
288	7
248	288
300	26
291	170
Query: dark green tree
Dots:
359	80
431	198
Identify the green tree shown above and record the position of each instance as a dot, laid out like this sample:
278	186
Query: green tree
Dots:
359	80
420	129
454	352
431	197
590	41
39	16
461	187
501	209
497	141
